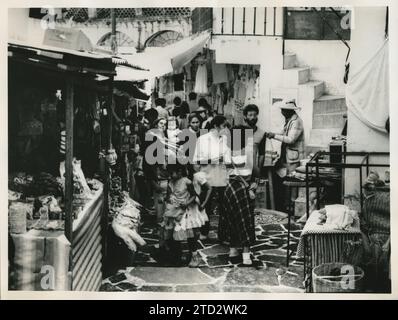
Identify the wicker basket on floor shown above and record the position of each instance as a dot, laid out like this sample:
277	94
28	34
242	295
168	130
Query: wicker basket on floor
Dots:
349	280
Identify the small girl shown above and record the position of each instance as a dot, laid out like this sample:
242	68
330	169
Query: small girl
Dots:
182	217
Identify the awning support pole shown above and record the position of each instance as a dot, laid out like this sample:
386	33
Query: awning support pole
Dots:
69	160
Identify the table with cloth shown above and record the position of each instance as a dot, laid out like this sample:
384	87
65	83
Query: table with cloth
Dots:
42	258
322	243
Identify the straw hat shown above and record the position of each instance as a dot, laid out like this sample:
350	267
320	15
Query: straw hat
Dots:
289	105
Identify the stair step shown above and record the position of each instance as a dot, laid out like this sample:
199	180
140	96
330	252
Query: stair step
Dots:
329	104
289	60
296	76
317	86
329	120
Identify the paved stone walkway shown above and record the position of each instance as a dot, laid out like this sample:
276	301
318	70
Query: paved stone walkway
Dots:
215	273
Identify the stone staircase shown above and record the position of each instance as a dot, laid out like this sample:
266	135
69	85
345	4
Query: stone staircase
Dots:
324	115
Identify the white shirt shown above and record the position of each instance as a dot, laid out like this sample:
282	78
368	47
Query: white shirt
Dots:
210	148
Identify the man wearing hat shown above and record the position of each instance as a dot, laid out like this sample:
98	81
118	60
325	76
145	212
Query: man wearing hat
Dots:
292	149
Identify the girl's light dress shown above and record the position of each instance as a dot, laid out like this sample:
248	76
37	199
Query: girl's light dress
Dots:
179	223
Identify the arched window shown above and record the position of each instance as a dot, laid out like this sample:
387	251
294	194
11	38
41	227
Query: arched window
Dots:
163	38
122	40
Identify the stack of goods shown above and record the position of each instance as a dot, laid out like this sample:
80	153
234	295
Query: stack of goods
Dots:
37	201
338	216
126	215
45	184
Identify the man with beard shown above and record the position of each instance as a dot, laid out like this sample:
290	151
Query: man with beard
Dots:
251	141
247	141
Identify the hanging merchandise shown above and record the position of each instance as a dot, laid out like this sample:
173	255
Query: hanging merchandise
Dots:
201	78
367	91
163	85
178	80
219	71
240	89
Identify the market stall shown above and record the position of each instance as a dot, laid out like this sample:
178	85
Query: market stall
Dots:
189	66
57	224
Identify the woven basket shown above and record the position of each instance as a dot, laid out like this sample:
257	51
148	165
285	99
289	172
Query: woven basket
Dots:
323	280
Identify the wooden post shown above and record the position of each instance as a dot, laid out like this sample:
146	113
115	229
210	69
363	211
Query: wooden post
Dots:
113	33
68	161
107	176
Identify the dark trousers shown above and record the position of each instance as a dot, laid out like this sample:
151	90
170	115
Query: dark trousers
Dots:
215	202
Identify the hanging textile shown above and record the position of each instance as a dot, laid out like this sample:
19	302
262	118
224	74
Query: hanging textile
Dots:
367	92
178	80
163	85
201	79
219	71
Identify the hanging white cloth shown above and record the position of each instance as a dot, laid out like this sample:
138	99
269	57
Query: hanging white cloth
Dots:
367	92
201	80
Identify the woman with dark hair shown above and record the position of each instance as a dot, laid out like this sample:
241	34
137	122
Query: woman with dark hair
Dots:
206	113
182	116
194	124
212	154
155	164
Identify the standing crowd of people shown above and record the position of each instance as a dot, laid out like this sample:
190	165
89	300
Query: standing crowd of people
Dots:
195	163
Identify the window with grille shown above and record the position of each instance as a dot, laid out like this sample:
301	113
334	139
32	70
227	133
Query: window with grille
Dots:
84	14
163	38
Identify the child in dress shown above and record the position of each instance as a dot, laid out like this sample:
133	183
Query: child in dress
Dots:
182	217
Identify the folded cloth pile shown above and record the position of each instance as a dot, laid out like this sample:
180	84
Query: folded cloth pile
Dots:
126	223
19	182
338	216
45	184
126	215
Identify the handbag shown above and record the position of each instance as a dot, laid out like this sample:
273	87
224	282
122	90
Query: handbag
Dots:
270	155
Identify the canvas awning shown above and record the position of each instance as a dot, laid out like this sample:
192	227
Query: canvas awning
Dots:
126	87
128	74
63	59
164	60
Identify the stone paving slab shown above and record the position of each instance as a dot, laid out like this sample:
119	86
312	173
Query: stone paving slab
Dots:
216	250
216	274
198	288
245	289
251	277
170	275
157	288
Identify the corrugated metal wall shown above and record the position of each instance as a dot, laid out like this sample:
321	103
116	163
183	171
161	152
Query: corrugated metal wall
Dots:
87	250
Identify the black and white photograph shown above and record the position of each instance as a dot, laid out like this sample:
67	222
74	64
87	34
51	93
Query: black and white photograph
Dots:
198	150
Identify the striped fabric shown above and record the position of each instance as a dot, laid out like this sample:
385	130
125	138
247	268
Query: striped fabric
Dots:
376	213
62	142
87	247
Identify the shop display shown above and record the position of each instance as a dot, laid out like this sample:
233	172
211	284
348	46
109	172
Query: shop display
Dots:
337	216
201	78
125	214
18	212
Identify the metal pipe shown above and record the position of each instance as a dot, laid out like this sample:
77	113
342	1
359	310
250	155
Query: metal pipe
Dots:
274	21
265	21
244	20
233	20
254	24
222	20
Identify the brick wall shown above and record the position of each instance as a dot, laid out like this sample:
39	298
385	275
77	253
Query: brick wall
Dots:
202	19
